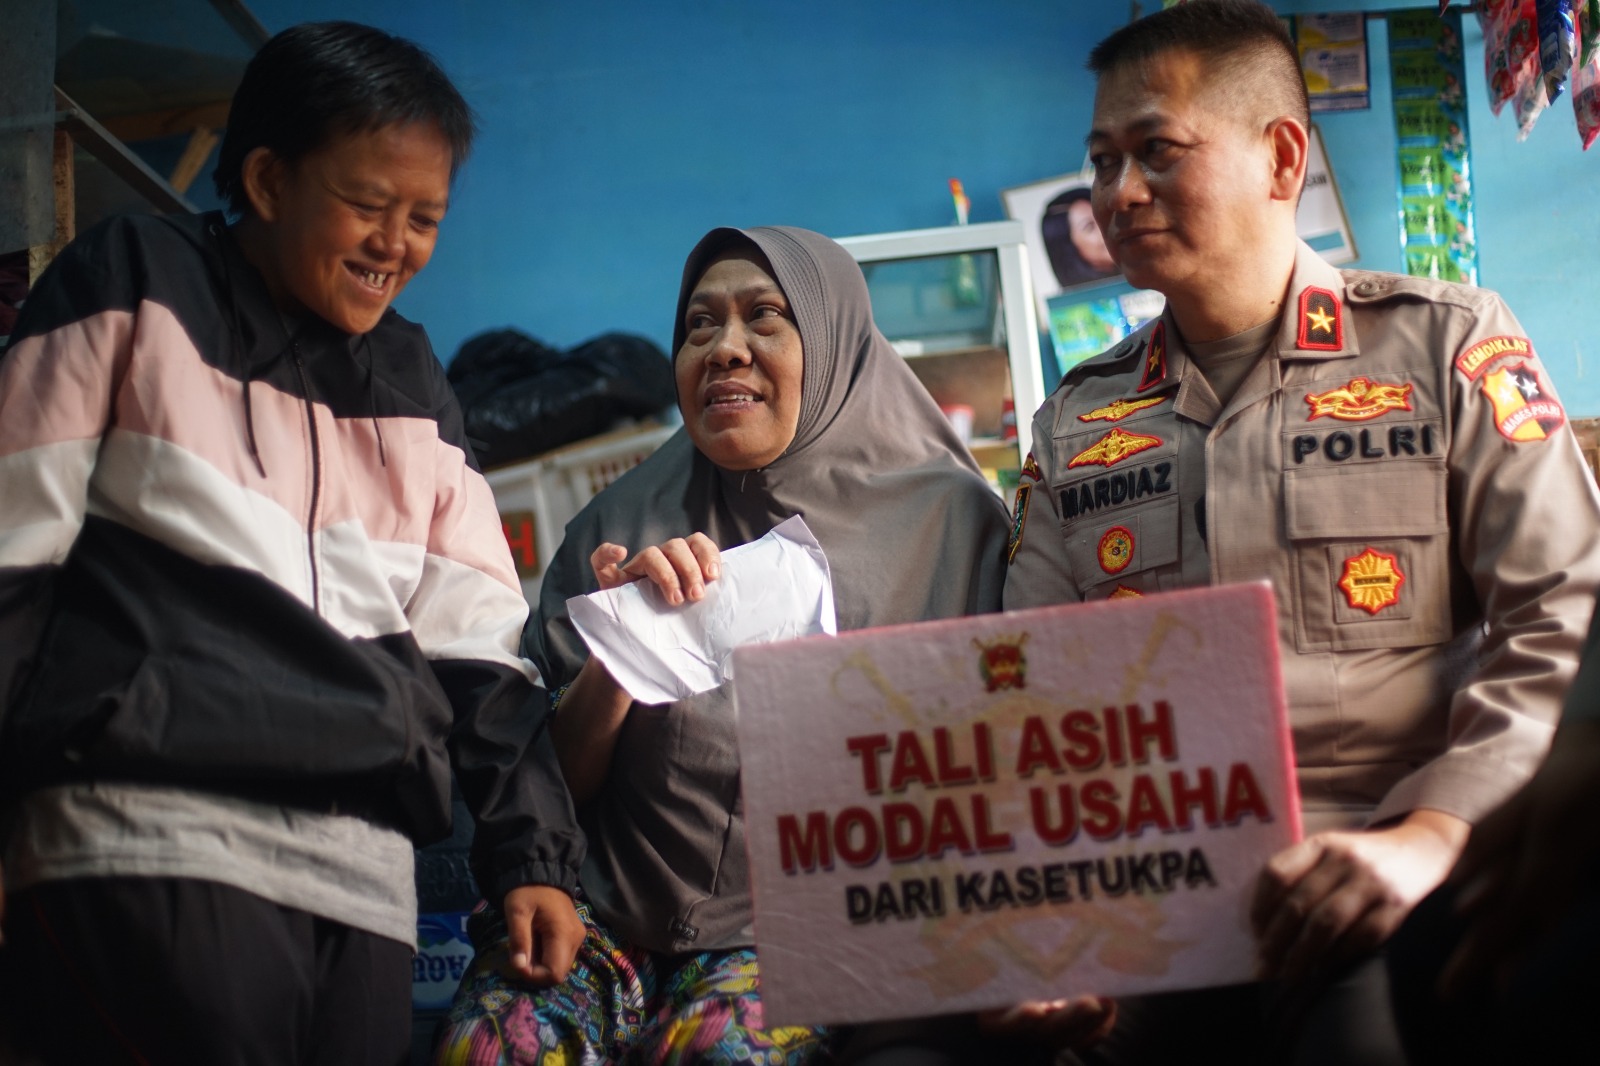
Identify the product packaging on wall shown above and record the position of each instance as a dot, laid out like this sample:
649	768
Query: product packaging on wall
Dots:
1437	233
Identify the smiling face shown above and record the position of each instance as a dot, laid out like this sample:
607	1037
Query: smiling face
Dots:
739	369
341	231
1183	185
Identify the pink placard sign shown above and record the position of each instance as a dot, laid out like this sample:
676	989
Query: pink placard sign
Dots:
976	812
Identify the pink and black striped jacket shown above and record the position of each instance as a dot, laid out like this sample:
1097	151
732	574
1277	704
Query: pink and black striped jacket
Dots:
257	559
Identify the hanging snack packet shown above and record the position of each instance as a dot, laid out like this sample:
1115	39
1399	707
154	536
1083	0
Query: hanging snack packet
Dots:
1557	38
1529	104
1511	47
1586	99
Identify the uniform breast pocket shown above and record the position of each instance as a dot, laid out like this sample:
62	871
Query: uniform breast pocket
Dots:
1125	550
1372	555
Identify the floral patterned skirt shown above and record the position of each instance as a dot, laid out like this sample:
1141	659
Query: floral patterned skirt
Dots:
620	1004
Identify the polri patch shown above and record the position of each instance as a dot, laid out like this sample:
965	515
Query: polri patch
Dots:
1155	358
1116	550
1476	359
1321	321
1360	400
1523	411
1372	580
1031	470
1114	447
1019	518
1117	410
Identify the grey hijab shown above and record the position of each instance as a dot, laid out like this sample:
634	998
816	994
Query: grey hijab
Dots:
911	531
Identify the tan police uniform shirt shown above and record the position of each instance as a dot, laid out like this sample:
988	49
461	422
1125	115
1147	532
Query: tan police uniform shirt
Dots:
1398	466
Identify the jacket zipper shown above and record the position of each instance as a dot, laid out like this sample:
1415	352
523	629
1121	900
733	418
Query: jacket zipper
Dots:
316	480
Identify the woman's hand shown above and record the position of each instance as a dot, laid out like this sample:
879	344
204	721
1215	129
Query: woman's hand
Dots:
680	568
590	717
545	933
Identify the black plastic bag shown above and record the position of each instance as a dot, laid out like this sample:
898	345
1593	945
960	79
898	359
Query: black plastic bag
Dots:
521	397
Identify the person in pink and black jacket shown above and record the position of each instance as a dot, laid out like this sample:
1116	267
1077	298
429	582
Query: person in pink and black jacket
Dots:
255	603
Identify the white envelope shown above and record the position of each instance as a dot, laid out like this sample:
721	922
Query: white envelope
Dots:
774	588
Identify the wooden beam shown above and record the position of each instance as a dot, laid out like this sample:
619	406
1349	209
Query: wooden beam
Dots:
194	157
151	124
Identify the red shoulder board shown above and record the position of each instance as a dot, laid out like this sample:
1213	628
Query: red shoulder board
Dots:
1155	358
1321	321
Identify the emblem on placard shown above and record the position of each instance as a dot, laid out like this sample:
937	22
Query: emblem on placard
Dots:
1019	518
1155	358
1117	410
1360	400
1001	662
1321	321
1372	581
1113	448
1522	410
1123	592
1476	359
1115	550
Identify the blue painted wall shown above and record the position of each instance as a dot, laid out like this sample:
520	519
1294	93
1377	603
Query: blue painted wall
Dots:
615	134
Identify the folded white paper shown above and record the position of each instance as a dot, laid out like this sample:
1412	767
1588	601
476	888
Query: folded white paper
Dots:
774	588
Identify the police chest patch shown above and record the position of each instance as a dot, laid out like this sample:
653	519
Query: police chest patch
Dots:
1113	448
1123	592
1115	550
1114	490
1372	581
1476	359
1117	410
1374	442
1019	518
1359	401
1523	411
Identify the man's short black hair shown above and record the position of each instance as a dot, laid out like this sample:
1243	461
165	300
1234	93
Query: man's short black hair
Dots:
321	80
1244	39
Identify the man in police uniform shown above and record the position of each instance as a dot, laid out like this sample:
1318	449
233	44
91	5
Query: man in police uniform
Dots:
1387	451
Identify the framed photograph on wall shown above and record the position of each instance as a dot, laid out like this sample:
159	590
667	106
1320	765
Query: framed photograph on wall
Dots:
1065	249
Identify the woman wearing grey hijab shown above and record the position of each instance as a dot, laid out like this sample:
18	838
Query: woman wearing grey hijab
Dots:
793	403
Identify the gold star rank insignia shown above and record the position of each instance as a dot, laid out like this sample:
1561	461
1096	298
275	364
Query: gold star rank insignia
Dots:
1321	321
1117	410
1372	581
1155	358
1360	400
1113	448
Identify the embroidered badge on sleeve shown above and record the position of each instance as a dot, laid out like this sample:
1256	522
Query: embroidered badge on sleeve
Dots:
1360	400
1113	448
1523	411
1372	581
1321	321
1476	359
1019	518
